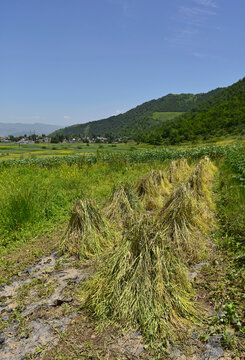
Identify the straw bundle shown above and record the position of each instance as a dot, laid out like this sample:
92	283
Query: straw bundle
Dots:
179	171
152	188
87	233
180	222
123	203
142	284
200	182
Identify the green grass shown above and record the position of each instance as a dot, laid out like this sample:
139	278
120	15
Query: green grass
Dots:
13	151
165	116
225	279
231	204
35	199
20	151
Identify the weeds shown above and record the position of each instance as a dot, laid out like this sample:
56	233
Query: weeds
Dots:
35	200
37	288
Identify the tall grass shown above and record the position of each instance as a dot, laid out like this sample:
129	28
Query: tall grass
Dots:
231	207
182	226
187	216
179	171
35	199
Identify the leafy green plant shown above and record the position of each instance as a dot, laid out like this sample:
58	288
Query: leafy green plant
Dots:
230	315
228	340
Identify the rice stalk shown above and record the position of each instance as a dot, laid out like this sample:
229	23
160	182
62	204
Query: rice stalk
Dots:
123	204
142	284
179	171
180	222
200	183
87	232
152	188
188	216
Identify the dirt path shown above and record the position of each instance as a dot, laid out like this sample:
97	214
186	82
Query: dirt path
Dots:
41	319
31	311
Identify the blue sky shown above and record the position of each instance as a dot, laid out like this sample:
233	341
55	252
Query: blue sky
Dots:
72	61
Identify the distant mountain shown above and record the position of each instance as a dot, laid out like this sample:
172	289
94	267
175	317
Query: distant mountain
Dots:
219	115
19	129
147	116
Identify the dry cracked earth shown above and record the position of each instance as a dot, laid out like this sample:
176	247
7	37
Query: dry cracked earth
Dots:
41	319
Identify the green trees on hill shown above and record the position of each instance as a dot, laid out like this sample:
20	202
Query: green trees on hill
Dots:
219	115
216	113
139	120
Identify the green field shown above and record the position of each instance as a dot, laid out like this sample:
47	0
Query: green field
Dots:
50	181
37	196
165	116
13	151
25	151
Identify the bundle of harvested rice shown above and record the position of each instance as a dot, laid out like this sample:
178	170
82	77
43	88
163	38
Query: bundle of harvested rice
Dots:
123	203
179	171
152	188
180	222
200	181
87	233
142	284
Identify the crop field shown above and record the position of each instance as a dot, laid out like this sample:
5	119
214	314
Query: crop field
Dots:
27	151
157	235
14	151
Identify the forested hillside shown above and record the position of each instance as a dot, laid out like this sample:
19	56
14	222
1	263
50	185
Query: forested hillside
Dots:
174	118
139	120
220	115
